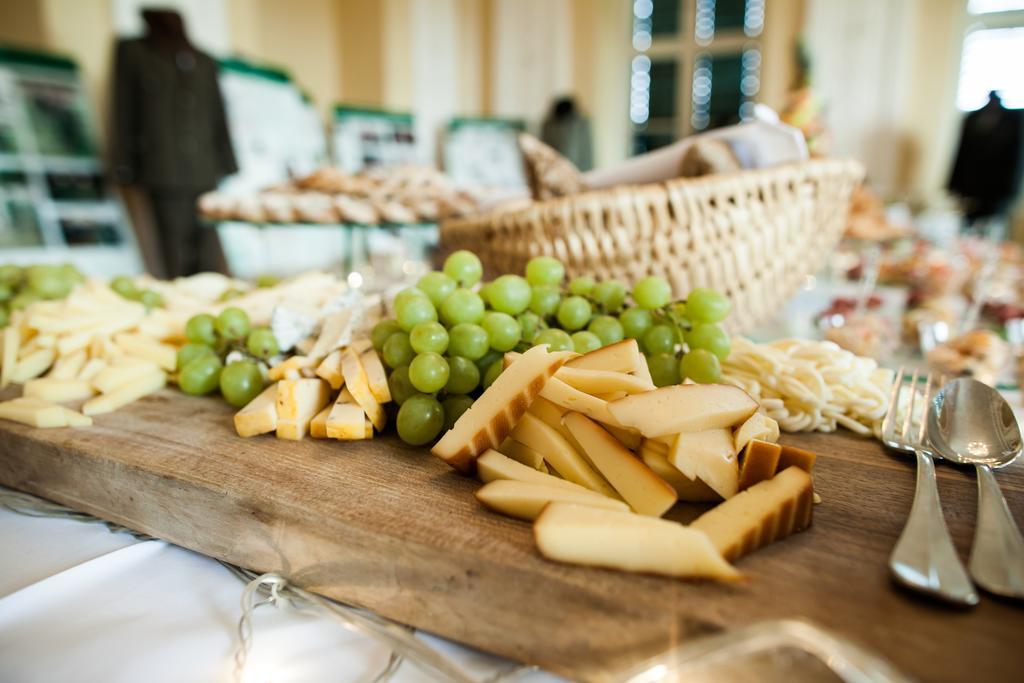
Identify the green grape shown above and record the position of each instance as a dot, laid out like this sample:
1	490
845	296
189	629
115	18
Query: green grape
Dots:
664	369
233	323
397	350
652	292
240	382
437	286
408	294
464	267
399	385
711	337
487	360
502	330
610	295
262	343
413	311
585	342
71	274
23	300
429	336
462	306
454	406
381	332
463	375
47	282
201	375
545	270
510	294
678	309
201	329
267	281
701	366
557	340
11	275
5	292
429	372
468	340
529	323
581	286
544	300
635	321
492	373
420	420
608	329
573	313
151	299
230	294
707	306
190	352
660	339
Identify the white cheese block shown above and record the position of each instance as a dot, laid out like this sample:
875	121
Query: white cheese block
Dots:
689	490
493	465
570	398
299	400
358	385
708	456
684	408
591	536
259	416
644	490
758	426
34	412
560	454
147	348
623	356
346	421
125	393
33	365
597	382
526	500
492	416
318	425
58	390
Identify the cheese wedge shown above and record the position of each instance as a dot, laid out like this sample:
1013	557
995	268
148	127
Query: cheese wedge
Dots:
645	491
375	375
34	412
758	463
330	370
76	419
9	352
578	534
791	456
335	332
684	408
318	425
570	398
259	416
346	421
758	426
523	454
551	414
141	346
358	385
295	363
766	512
33	365
122	372
526	500
493	466
561	455
68	367
707	456
595	382
58	390
492	416
623	356
125	393
298	402
689	490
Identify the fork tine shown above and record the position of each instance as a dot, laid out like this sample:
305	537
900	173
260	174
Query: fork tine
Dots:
908	420
889	423
922	430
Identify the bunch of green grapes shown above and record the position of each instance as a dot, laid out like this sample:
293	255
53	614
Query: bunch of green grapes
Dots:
20	287
449	335
201	368
125	286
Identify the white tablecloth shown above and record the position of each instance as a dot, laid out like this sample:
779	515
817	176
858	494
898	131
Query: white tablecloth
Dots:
80	603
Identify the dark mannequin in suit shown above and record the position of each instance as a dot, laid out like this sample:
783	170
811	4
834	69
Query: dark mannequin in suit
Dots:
171	136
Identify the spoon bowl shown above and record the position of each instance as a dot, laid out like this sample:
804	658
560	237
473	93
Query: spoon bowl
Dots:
970	423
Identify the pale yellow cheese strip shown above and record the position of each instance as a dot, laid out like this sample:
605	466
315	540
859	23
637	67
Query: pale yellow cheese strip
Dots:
295	363
334	331
526	500
758	426
76	419
318	425
570	398
330	370
375	376
560	454
522	454
68	367
58	390
358	385
9	355
623	356
690	490
141	346
80	339
34	412
493	465
596	382
125	393
92	368
33	365
551	414
122	372
708	456
259	416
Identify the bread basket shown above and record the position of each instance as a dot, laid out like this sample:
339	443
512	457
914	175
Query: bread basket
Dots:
752	235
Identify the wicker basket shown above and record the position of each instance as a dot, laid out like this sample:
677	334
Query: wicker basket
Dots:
753	235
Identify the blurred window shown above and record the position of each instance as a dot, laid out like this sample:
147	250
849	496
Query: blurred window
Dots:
993	53
986	6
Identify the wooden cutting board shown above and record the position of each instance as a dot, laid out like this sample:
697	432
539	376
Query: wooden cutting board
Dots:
391	528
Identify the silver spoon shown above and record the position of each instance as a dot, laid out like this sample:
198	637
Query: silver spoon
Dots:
970	423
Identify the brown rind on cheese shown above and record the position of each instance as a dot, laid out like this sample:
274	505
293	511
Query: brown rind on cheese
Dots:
791	456
492	417
758	462
764	513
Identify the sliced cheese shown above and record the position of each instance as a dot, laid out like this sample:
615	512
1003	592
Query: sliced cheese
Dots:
638	485
570	398
318	425
551	414
597	382
630	438
147	348
33	365
560	454
293	364
125	393
335	332
578	534
523	454
346	420
707	456
34	412
259	416
689	490
492	416
358	385
76	419
791	456
330	370
757	426
492	466
375	375
766	512
623	356
684	408
298	402
758	463
122	372
58	390
525	500
9	353
92	368
68	367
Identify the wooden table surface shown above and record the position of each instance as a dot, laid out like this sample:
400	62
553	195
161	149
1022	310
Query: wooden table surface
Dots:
391	528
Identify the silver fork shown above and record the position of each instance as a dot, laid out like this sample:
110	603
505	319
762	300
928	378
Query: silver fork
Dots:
924	557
